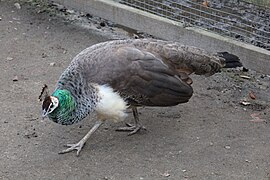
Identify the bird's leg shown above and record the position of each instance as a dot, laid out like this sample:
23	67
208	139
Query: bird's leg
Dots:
78	146
133	128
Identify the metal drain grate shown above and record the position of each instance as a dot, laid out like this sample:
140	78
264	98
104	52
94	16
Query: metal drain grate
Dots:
239	20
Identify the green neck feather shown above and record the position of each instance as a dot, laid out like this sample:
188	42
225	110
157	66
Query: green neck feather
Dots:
65	110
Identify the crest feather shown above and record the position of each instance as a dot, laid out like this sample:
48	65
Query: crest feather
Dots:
44	93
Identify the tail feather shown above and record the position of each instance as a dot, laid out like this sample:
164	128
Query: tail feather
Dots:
231	60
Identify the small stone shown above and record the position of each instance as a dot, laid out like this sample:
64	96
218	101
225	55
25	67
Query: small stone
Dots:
52	64
248	161
166	174
0	19
211	144
70	11
184	170
244	77
15	78
245	103
227	147
17	5
9	58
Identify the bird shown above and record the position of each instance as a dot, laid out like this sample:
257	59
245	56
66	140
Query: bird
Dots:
111	77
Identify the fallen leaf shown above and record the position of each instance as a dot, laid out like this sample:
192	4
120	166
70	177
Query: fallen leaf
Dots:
252	95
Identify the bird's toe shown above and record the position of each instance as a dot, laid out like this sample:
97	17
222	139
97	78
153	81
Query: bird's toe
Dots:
130	127
71	147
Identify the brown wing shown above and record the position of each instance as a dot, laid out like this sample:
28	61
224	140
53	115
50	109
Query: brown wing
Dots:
145	71
142	78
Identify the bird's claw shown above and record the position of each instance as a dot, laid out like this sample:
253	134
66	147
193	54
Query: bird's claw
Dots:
78	147
133	128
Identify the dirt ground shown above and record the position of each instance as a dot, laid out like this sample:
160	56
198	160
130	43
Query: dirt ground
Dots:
222	133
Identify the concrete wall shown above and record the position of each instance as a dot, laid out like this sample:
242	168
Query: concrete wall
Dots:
259	2
251	56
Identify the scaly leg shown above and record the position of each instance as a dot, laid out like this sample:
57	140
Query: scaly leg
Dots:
78	146
133	128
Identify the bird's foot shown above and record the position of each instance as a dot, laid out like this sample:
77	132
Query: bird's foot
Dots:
133	128
78	147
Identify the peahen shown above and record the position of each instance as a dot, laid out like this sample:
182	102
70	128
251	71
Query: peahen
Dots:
110	77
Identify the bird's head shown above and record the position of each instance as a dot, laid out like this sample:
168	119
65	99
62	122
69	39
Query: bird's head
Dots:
49	104
57	105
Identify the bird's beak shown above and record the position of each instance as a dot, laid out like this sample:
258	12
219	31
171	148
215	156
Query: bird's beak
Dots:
44	113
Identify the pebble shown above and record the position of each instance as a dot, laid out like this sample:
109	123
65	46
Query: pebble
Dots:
15	78
244	77
17	5
227	147
9	58
166	174
52	64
